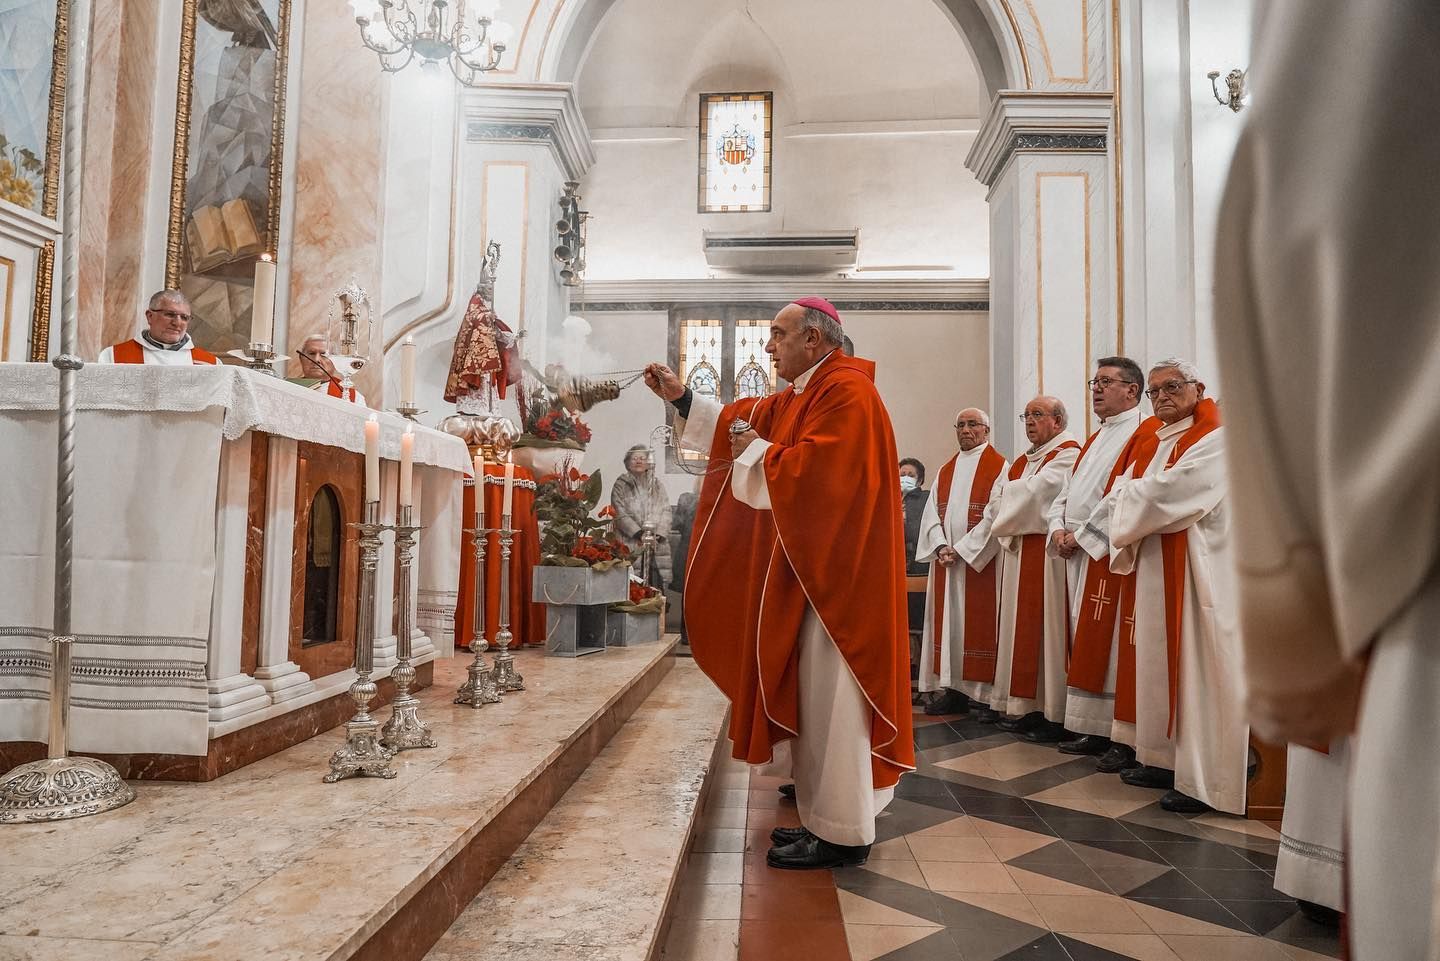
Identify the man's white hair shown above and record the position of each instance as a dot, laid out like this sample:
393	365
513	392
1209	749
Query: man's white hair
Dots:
828	326
1062	416
313	337
984	417
161	296
1187	369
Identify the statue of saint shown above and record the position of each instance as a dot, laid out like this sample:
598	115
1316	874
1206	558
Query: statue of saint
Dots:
485	347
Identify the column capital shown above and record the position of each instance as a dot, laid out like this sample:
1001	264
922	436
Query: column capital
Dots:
544	113
1025	121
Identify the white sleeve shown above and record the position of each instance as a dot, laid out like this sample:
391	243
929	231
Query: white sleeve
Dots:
1056	515
1167	501
979	546
107	356
696	431
932	532
747	479
1025	504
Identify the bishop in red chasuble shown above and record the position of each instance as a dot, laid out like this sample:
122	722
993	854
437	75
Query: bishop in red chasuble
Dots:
795	585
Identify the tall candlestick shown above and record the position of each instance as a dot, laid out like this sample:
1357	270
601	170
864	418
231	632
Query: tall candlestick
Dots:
407	465
262	312
479	469
372	459
407	372
509	500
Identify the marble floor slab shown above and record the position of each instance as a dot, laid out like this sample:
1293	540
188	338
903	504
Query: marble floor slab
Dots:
271	862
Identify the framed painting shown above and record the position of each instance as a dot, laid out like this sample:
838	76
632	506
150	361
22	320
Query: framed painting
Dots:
229	141
735	152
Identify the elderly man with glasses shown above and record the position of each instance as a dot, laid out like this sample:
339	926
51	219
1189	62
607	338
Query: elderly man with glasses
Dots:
1029	652
166	338
960	601
1169	524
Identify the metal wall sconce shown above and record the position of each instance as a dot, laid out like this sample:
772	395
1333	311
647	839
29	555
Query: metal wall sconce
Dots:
1234	88
570	237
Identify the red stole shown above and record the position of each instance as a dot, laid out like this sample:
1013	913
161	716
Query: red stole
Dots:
1174	554
133	352
1030	606
1095	628
979	585
334	389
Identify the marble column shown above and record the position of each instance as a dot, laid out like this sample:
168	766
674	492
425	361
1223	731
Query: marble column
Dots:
232	692
281	677
1043	157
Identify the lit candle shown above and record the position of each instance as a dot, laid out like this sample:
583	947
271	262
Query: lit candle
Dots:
372	459
407	465
407	373
509	501
262	312
479	469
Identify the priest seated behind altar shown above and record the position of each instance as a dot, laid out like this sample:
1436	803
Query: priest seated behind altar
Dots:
166	339
317	370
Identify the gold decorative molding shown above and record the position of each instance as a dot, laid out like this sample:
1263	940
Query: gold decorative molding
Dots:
1045	46
6	306
525	32
50	193
40	325
184	90
1019	42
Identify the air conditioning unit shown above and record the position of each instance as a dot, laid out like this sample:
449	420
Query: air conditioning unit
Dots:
783	252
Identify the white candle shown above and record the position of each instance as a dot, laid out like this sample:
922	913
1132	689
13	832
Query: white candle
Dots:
509	501
407	372
372	459
262	313
479	469
407	465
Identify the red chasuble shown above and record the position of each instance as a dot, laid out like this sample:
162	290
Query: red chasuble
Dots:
834	537
335	390
527	620
979	613
1174	555
133	352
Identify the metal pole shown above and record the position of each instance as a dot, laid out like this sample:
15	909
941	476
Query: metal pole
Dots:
62	787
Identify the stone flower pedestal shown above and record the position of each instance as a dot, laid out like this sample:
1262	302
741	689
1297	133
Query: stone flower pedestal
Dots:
575	600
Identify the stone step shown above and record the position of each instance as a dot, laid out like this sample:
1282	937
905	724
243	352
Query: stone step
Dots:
593	882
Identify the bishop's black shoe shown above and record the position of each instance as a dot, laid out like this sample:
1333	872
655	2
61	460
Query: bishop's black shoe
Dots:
1319	913
1020	725
950	702
1177	803
1091	745
784	836
810	853
787	791
1118	758
1046	732
1147	776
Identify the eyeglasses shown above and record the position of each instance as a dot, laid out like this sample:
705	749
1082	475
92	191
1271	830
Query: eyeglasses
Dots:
172	314
1171	388
972	424
1029	416
1104	383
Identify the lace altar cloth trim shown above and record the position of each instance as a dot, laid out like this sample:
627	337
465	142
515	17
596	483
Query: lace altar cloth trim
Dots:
251	401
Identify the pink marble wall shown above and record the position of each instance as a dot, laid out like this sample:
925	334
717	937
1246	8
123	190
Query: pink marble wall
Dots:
339	182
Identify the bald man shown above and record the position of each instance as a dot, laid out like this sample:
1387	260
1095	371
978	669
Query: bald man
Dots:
1029	674
960	602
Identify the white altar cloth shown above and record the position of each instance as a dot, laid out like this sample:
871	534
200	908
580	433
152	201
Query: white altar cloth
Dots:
148	486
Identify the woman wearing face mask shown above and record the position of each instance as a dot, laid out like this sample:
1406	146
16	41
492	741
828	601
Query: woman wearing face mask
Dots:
912	499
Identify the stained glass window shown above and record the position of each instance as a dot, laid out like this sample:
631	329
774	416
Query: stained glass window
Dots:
755	369
702	349
735	154
719	352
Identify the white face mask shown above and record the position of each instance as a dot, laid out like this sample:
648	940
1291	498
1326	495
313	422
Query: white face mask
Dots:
908	483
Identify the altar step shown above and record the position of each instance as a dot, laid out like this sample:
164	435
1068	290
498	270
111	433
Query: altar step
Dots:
595	879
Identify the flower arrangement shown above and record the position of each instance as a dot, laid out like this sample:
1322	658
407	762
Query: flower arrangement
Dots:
548	423
644	599
569	536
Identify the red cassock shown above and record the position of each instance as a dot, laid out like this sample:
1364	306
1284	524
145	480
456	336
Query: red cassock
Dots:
527	620
834	537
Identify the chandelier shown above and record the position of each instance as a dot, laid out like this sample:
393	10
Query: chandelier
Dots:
463	34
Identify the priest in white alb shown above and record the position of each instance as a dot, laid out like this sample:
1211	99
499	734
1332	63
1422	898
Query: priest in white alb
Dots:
1169	524
957	650
165	341
1310	866
1093	627
1029	683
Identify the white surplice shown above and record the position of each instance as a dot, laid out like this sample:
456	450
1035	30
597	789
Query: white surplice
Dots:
933	536
1210	749
156	355
1085	711
829	758
1017	508
1311	862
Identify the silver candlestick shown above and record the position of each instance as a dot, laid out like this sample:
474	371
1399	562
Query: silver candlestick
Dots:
506	678
405	730
410	412
479	686
363	754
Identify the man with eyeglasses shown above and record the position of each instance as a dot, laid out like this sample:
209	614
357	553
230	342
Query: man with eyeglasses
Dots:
1029	667
1169	524
1090	701
960	601
166	339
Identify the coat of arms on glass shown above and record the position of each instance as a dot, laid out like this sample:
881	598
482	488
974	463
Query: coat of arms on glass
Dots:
735	156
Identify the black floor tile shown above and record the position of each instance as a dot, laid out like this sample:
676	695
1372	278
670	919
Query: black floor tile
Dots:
1253	885
1202	855
1080	951
1134	849
1262	917
913	786
1171	884
1033	824
1201	909
985	806
936	735
909	898
939	946
1081	827
1258	858
1073	872
1047	948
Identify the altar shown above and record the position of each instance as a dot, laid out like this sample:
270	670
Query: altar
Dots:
214	566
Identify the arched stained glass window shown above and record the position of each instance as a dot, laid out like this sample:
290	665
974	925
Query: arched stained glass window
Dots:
752	381
704	380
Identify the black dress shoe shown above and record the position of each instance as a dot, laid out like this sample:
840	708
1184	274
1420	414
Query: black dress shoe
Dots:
1046	732
784	836
1118	758
810	853
1319	913
1019	725
1147	776
787	791
951	702
984	715
1090	745
1177	803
